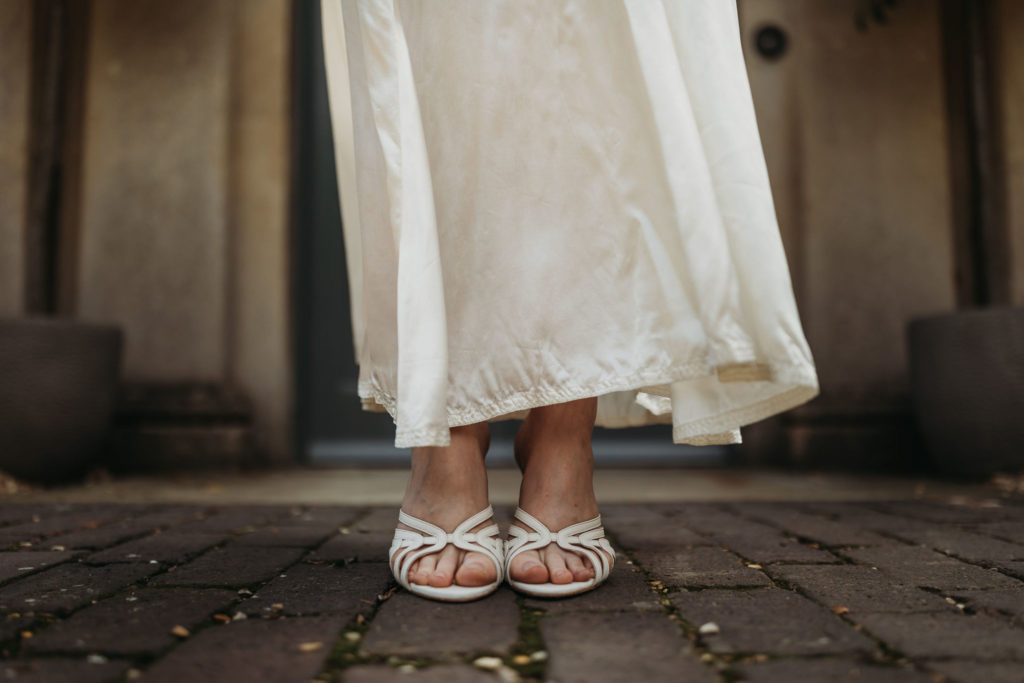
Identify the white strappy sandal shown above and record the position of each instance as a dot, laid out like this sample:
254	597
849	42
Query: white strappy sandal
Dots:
408	546
583	538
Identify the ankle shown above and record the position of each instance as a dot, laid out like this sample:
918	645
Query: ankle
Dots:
450	481
543	447
559	457
445	479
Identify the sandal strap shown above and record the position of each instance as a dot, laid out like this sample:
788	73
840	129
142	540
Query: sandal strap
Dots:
582	538
408	546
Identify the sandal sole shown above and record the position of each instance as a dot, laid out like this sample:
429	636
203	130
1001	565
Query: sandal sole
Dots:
447	595
558	590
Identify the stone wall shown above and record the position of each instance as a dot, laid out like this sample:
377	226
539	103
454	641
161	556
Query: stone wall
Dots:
15	70
854	127
180	224
1010	78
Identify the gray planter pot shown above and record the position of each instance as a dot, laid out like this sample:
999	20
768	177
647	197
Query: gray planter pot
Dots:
58	384
967	378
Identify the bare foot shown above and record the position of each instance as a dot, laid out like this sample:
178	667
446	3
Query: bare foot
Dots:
553	450
447	485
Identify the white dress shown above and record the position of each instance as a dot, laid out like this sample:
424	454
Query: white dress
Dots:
546	200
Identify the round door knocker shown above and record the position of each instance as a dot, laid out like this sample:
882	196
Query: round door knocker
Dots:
771	41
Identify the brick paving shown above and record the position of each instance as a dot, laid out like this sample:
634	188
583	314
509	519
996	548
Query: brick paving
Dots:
725	592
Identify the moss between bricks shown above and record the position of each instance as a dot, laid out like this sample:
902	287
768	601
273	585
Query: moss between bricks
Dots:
345	652
530	641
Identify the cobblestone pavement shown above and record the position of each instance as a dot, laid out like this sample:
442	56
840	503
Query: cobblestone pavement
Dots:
729	591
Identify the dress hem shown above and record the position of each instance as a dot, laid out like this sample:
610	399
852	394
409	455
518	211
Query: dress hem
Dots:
718	429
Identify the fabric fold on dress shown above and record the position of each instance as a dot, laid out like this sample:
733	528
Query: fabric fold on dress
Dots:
557	199
421	375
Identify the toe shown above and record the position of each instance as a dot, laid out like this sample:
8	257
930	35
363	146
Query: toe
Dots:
580	571
476	570
555	561
445	569
421	571
528	568
414	569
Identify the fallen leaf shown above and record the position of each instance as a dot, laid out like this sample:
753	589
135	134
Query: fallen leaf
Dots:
222	618
180	631
310	646
840	609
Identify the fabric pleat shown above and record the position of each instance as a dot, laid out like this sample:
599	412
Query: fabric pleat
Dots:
547	200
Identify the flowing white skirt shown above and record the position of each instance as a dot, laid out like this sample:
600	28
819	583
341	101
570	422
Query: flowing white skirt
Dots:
547	200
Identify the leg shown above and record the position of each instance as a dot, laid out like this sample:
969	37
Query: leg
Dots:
447	485
554	452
